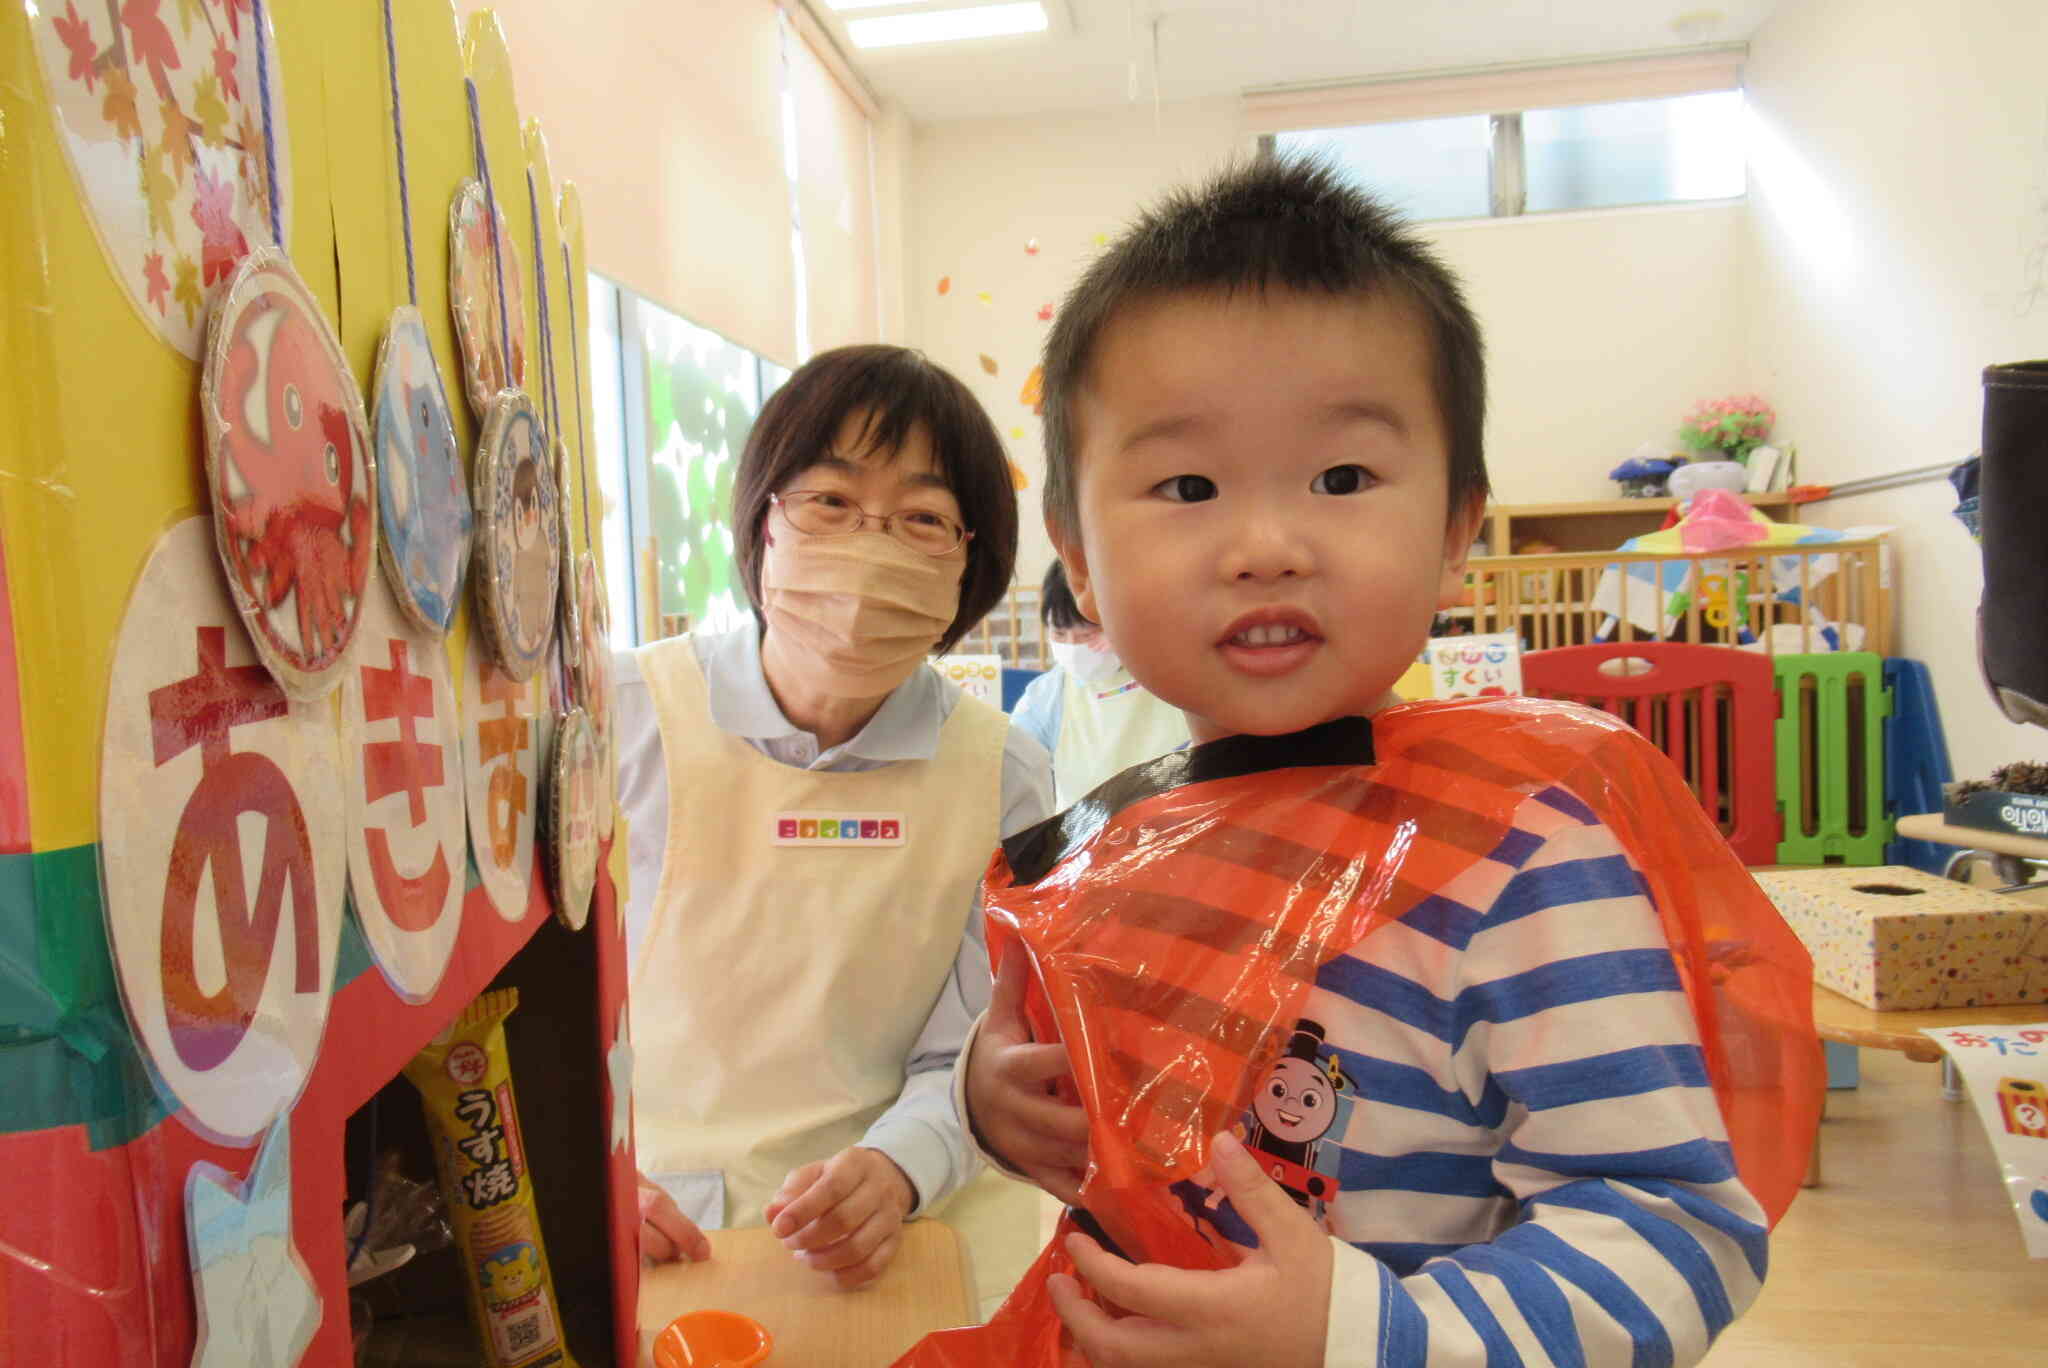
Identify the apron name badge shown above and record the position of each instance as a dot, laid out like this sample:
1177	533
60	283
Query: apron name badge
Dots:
845	830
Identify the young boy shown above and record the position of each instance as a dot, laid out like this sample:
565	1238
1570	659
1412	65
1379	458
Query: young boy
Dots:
1492	1127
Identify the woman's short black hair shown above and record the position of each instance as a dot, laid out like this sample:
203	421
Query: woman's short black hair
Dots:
900	390
1056	606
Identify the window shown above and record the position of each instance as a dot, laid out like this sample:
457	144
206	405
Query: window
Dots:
1667	150
676	403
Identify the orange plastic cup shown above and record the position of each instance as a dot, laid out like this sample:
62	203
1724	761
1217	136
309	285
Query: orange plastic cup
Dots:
712	1339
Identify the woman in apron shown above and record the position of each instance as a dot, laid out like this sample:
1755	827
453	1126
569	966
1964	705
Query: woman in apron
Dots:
810	811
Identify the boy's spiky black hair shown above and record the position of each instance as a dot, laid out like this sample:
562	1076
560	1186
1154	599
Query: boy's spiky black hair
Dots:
1285	222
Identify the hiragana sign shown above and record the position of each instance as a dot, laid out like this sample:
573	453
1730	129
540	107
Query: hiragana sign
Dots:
221	822
407	828
501	750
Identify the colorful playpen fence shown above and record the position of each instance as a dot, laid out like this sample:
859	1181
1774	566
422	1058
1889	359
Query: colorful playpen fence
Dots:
1831	758
1710	709
1799	759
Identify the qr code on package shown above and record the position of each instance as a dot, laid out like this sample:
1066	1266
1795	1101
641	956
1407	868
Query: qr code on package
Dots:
528	1333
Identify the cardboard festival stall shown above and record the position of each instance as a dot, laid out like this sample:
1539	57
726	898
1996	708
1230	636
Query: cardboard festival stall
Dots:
284	661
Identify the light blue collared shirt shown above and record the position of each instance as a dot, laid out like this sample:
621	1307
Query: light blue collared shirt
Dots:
920	1130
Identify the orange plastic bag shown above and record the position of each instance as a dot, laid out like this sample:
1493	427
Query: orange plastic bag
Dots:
1175	920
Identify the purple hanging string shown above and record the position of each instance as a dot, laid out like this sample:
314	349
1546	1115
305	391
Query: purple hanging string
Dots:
549	395
269	137
576	370
412	284
483	171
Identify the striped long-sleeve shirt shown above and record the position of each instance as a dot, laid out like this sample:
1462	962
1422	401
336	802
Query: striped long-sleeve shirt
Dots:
1492	1090
1533	1168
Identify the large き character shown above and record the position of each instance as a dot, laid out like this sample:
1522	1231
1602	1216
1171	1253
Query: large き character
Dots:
296	520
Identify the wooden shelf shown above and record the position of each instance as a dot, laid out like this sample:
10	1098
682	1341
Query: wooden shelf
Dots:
1600	524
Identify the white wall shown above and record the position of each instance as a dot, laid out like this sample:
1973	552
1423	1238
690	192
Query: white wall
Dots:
1895	242
980	191
1601	328
1899	204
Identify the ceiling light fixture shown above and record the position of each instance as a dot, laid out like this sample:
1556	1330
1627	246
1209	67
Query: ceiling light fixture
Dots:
947	26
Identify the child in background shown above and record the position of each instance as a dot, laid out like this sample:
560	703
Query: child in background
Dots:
1087	710
1263	409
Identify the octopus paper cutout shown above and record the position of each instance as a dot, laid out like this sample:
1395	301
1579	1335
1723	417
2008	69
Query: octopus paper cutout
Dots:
519	533
422	491
162	119
288	456
493	357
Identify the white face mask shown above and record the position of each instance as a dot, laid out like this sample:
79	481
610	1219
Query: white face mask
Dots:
863	610
1088	662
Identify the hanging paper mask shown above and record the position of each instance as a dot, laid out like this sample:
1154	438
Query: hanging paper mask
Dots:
519	535
573	777
288	459
422	494
479	281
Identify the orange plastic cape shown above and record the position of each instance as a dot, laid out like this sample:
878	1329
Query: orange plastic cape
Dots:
1176	917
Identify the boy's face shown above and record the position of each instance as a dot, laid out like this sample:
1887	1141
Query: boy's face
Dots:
1262	496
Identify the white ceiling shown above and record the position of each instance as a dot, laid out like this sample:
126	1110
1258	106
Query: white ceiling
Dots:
1100	52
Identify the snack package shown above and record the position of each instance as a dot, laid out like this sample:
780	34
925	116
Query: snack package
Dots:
465	1080
1176	918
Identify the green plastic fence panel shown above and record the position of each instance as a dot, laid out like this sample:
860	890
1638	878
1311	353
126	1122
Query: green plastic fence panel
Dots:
1827	774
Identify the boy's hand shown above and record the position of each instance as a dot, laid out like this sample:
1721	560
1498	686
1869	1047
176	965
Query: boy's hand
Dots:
844	1215
667	1235
1273	1309
1009	1094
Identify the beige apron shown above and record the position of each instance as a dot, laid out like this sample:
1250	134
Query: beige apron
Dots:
781	987
1102	736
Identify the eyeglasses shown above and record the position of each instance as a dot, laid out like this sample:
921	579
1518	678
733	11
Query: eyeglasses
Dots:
817	513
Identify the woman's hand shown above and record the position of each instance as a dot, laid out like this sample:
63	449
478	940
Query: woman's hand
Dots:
844	1215
667	1235
1009	1094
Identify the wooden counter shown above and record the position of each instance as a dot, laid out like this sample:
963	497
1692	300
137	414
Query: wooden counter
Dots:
1838	1019
1930	826
928	1287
